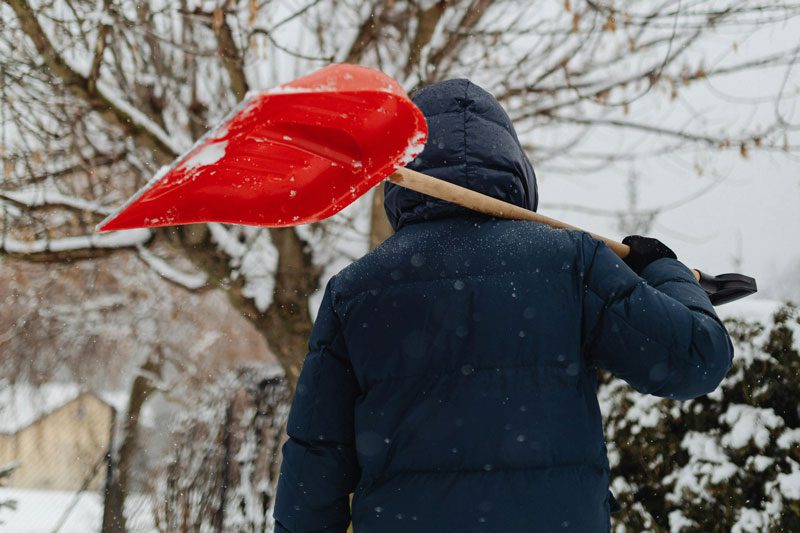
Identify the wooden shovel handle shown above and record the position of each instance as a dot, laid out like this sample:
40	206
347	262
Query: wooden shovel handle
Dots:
450	192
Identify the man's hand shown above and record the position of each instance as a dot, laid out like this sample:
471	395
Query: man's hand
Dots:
644	251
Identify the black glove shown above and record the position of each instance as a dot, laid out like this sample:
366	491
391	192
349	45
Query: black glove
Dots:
644	251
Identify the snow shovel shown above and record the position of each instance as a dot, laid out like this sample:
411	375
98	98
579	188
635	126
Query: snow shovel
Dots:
303	151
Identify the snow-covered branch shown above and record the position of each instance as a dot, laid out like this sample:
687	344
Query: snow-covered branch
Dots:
50	197
191	281
140	119
120	239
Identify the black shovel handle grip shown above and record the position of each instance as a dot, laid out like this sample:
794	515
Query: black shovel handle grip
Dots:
725	288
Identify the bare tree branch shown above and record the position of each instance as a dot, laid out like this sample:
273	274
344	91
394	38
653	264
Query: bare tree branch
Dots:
79	85
427	20
231	57
368	32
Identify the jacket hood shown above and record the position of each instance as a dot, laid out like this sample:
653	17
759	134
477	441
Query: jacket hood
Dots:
472	143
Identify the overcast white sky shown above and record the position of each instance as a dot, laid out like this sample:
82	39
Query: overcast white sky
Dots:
758	205
754	212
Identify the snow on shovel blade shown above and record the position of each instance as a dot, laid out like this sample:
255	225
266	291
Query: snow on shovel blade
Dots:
292	155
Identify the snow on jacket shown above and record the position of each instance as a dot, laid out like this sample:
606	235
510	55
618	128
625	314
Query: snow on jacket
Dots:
452	374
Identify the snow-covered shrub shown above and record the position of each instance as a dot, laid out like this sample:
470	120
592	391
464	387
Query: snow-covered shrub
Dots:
728	461
221	472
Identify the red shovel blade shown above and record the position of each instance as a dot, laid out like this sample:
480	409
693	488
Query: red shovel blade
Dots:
296	154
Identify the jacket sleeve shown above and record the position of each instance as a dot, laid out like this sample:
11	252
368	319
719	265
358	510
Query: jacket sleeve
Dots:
320	468
658	332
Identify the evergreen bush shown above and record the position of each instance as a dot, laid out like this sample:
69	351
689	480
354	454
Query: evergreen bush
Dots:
727	461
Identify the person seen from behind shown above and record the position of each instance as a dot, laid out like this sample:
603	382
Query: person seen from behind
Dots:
452	374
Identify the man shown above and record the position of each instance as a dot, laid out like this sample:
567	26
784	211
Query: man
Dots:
452	372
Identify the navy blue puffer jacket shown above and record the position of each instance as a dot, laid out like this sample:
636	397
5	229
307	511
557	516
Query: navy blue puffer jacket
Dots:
451	380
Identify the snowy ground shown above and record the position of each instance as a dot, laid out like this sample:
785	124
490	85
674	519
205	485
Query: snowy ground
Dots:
41	511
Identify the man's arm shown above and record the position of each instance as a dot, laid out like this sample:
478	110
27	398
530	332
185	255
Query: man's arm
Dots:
320	468
658	332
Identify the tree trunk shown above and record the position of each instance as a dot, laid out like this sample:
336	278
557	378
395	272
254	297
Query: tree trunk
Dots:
122	458
111	505
379	227
286	323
